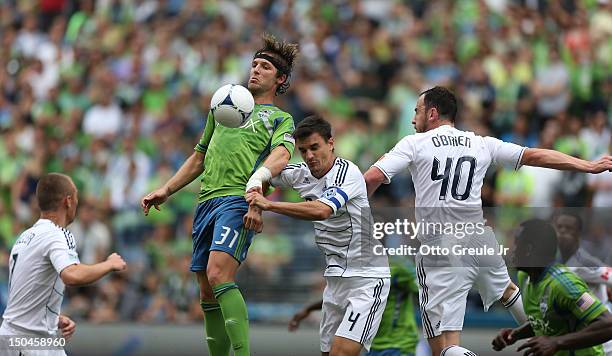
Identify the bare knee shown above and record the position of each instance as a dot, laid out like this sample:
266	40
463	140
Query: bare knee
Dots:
221	268
206	292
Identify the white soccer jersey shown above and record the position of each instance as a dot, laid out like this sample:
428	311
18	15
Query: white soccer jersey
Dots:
345	237
35	287
592	271
448	167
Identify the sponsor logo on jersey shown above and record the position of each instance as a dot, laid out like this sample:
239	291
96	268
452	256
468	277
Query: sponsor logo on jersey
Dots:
330	193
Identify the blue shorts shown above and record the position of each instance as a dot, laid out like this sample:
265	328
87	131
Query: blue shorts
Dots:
388	352
218	226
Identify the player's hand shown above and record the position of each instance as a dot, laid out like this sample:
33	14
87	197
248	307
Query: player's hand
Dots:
503	339
258	200
539	346
252	220
294	324
601	165
66	326
155	198
116	262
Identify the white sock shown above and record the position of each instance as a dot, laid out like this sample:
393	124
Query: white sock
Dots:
514	304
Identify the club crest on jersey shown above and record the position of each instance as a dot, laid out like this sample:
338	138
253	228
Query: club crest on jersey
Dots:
264	114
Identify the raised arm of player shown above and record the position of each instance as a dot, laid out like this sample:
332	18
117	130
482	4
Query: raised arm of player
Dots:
596	333
272	166
540	157
190	170
81	274
308	210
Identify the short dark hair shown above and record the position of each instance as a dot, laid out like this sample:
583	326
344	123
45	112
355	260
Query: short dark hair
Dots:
541	237
283	52
571	214
51	189
443	100
313	124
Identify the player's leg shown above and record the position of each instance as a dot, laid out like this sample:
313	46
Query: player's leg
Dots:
342	346
442	341
229	248
214	325
442	296
366	299
332	312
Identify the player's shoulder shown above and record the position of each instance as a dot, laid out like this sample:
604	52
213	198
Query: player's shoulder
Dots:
344	170
293	168
584	258
565	282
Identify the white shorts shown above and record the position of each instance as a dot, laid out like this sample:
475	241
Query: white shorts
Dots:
352	308
443	289
6	330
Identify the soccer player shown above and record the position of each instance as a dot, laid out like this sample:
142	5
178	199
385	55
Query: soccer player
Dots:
44	260
397	334
224	224
448	167
564	315
336	200
592	271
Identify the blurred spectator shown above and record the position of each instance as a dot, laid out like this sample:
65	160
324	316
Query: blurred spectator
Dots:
92	235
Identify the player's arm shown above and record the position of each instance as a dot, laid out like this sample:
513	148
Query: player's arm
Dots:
81	274
507	337
374	177
308	210
540	157
595	333
190	170
390	164
594	274
303	314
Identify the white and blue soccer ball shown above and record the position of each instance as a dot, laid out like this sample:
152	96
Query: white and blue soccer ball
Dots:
456	350
231	105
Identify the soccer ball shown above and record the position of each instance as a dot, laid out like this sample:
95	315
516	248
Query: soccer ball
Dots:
231	105
455	350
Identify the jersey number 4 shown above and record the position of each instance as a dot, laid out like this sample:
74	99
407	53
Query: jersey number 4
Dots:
445	176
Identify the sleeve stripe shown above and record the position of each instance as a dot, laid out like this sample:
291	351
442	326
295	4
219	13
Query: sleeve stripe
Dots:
200	148
341	174
383	172
518	162
344	195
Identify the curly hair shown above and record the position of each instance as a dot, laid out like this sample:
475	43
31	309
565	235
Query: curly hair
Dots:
284	53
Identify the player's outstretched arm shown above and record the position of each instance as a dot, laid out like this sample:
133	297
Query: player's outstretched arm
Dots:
596	333
81	274
540	157
294	324
272	166
507	337
190	170
308	210
374	177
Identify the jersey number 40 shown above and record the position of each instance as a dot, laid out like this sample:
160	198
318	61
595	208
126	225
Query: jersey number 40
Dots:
445	176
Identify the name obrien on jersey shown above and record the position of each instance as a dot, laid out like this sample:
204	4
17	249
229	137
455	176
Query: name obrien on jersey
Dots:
412	229
429	250
443	140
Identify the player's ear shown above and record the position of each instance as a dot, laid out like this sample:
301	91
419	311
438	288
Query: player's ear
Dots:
281	79
433	114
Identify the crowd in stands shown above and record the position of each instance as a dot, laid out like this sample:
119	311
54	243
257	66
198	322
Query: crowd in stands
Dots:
114	93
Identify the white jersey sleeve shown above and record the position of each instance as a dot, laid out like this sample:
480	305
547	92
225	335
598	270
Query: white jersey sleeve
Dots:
504	153
288	176
398	159
345	185
594	274
62	251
